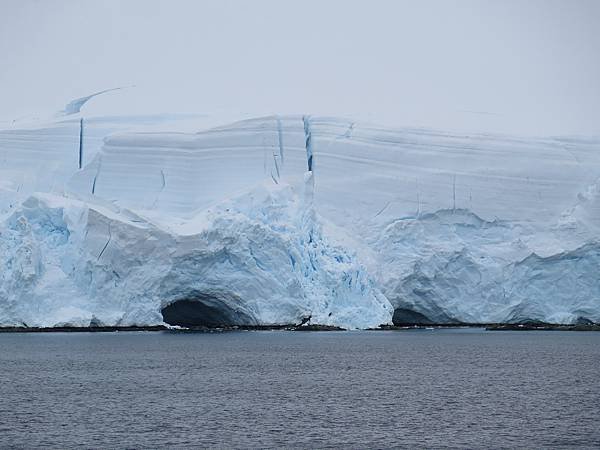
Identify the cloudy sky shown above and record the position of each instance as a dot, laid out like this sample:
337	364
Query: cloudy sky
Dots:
526	67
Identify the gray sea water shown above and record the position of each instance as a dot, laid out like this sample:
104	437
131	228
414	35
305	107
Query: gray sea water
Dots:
464	388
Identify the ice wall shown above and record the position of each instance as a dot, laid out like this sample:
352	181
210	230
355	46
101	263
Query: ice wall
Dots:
474	228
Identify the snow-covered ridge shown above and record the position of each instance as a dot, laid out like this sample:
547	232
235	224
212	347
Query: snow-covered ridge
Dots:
476	228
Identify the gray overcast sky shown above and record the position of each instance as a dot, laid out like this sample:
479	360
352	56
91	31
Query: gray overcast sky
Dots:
523	66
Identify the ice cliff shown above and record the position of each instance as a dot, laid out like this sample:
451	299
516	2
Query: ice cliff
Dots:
278	219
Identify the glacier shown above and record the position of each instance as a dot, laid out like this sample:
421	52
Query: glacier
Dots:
282	219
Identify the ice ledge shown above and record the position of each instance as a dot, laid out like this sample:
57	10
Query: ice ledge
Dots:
258	261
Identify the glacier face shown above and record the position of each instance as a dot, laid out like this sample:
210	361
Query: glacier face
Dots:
472	228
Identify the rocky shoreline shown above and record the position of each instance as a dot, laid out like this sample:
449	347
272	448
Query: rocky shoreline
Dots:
525	326
69	329
528	326
107	329
543	327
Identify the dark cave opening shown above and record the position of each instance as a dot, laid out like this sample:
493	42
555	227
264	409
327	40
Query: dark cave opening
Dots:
204	311
404	316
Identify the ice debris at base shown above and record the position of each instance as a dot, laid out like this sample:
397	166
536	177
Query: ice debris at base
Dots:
472	228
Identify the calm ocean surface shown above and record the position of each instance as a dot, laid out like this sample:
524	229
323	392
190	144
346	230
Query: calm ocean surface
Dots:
425	388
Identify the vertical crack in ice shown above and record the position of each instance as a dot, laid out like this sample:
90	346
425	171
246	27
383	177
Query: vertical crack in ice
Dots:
107	242
280	139
276	174
308	142
276	165
162	188
96	176
382	209
80	142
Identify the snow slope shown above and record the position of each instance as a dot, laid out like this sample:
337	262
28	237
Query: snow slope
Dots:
475	228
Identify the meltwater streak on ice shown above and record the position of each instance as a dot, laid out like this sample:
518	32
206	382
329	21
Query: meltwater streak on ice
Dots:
476	228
